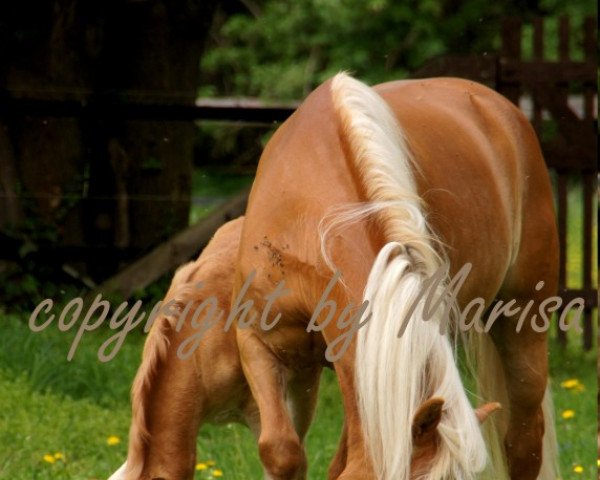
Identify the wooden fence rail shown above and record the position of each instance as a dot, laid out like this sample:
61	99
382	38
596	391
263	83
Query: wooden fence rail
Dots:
572	151
542	86
560	97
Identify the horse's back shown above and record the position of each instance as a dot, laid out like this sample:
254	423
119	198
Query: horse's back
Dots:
478	167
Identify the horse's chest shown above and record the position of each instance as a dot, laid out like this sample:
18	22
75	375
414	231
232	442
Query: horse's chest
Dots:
295	348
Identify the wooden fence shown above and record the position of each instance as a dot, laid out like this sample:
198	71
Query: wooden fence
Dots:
572	152
544	88
560	97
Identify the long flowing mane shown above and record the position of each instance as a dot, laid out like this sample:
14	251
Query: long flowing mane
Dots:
423	358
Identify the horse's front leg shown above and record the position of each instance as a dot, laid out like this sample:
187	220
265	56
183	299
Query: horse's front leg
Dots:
167	400
279	445
338	463
252	419
524	357
352	457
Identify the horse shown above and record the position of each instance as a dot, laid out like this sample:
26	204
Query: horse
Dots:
191	371
362	198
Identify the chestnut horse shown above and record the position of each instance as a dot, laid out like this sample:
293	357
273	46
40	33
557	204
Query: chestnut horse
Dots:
172	397
191	371
387	186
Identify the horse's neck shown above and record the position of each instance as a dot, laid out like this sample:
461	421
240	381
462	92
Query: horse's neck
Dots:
160	438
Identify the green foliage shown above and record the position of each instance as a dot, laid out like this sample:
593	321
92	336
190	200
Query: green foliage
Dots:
210	186
23	286
28	280
293	46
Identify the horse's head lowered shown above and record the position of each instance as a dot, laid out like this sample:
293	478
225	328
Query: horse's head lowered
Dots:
425	435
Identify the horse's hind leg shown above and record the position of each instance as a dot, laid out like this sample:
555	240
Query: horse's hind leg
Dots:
279	445
303	391
524	359
524	353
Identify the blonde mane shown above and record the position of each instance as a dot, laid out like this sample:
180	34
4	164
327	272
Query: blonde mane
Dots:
422	358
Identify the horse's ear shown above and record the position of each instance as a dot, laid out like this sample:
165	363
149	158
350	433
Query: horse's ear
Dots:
483	412
426	420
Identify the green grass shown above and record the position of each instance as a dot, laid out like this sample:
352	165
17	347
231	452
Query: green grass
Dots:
37	423
577	435
49	405
575	236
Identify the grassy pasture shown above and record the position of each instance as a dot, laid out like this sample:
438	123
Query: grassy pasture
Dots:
70	420
50	406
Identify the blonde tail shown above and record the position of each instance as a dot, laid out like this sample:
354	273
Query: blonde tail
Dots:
491	387
484	362
550	469
394	376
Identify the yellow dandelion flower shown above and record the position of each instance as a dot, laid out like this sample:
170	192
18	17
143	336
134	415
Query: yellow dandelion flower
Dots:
566	414
48	458
598	462
113	440
59	456
217	472
570	383
201	466
578	469
211	463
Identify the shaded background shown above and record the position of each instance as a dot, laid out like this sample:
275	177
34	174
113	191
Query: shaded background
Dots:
130	129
